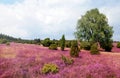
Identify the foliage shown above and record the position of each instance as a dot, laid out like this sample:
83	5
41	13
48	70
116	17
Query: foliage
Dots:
54	41
62	43
12	39
47	68
53	47
67	60
118	45
94	49
85	45
94	27
8	38
68	44
47	42
3	41
107	45
37	41
74	51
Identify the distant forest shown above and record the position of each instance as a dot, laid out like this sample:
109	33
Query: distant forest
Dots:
5	38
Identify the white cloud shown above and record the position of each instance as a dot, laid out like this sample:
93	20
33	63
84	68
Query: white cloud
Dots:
20	15
14	31
47	17
112	13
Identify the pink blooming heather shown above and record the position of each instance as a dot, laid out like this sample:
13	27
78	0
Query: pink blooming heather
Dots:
26	61
115	49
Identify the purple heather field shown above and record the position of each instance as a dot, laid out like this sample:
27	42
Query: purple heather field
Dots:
26	60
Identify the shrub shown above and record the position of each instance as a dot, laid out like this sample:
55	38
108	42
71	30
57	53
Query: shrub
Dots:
53	47
94	49
47	42
74	51
67	61
107	45
118	45
85	45
47	68
62	43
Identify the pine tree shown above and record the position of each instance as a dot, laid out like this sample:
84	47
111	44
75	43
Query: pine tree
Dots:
62	43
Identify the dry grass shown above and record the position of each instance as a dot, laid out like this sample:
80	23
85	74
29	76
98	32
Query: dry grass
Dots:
8	52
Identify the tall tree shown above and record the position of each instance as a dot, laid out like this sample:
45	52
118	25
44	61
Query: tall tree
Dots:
62	42
94	27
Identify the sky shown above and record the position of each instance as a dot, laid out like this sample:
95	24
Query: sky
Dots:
29	19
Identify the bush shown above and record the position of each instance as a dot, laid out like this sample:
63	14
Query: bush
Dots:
85	45
47	68
118	45
107	45
74	51
67	61
53	47
47	42
94	49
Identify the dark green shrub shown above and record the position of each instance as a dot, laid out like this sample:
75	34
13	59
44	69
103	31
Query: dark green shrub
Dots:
66	60
53	47
47	68
107	45
94	49
85	45
62	41
118	45
74	50
47	42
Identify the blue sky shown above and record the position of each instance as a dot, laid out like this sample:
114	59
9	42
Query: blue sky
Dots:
31	19
9	1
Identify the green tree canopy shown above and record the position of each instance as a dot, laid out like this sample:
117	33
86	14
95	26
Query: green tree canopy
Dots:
94	27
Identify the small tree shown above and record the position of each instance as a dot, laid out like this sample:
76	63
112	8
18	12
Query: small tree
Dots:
62	43
74	51
47	42
94	49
